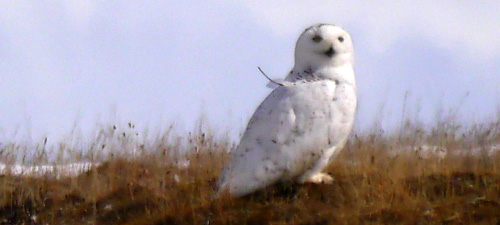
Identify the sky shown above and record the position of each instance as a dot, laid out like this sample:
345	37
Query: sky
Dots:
73	63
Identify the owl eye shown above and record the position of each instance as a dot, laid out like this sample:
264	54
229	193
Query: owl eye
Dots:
317	38
341	39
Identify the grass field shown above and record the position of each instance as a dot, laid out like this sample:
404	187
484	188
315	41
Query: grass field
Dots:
170	179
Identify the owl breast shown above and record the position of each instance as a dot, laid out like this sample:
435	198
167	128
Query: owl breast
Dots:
343	110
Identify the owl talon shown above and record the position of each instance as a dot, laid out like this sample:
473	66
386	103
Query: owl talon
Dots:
320	178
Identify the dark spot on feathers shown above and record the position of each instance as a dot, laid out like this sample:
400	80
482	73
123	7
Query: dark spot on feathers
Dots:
274	141
336	81
325	24
308	71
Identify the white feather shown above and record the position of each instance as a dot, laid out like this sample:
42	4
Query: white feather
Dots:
276	83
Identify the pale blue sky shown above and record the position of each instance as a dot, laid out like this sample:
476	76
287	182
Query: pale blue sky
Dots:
152	62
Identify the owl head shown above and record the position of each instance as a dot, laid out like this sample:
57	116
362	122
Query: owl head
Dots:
324	45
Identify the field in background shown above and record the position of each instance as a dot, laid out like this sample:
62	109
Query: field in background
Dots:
442	174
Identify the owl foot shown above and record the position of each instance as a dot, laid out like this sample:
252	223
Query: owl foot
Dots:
320	178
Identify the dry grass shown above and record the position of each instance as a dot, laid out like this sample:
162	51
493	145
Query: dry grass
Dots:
372	185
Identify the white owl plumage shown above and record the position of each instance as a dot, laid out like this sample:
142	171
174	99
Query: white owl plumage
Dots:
305	121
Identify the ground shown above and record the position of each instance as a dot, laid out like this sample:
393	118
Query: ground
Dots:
374	183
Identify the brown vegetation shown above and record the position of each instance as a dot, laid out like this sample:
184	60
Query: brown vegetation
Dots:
374	184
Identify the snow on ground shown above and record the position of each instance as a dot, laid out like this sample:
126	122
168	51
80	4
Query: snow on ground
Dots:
67	170
75	169
428	151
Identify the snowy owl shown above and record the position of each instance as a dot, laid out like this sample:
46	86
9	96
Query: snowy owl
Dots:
304	122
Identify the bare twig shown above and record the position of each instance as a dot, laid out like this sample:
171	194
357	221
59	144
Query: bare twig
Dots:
270	80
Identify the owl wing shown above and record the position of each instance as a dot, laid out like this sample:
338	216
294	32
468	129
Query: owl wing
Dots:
285	136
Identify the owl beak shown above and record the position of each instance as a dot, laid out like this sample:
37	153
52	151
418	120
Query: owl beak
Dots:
330	52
